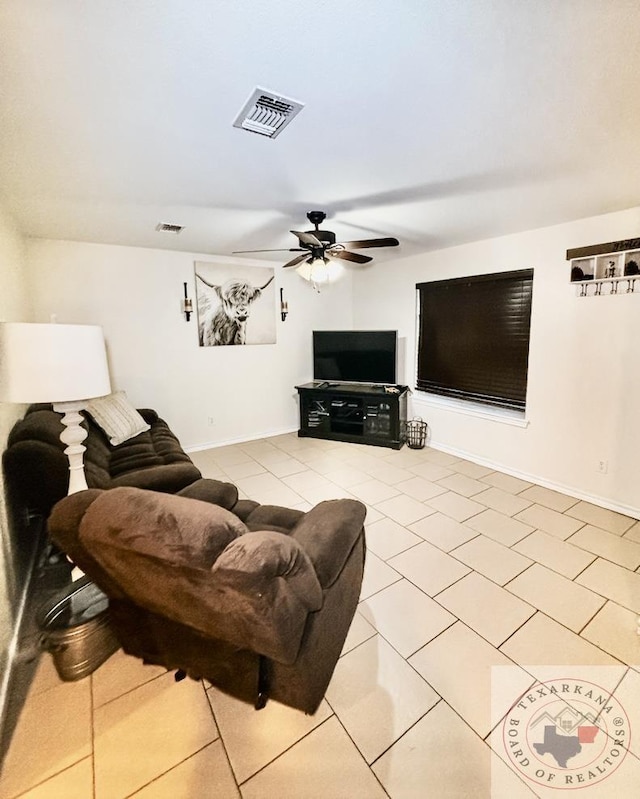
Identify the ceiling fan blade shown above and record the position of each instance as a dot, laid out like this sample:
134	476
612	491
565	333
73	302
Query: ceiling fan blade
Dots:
289	249
350	256
361	245
295	261
307	238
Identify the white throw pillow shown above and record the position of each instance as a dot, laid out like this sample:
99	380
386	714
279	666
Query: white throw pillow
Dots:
117	417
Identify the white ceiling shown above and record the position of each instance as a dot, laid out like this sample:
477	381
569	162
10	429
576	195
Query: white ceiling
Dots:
436	121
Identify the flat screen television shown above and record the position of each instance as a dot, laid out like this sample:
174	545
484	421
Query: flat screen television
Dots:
355	356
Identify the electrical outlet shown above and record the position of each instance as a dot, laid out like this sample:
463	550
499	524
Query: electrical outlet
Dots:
211	421
602	467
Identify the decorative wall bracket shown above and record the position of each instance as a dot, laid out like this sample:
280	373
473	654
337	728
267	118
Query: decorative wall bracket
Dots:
187	305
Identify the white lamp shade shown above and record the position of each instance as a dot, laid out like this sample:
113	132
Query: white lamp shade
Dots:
52	363
320	271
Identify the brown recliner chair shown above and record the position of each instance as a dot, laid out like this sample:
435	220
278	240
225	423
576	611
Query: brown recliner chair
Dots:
259	607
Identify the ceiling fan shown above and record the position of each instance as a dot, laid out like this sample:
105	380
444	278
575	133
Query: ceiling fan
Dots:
319	248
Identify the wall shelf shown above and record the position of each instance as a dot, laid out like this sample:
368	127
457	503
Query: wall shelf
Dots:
611	268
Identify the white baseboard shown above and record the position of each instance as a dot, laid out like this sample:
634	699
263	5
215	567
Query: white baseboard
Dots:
230	441
572	491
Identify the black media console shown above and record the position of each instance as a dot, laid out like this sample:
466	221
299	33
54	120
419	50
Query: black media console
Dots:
355	412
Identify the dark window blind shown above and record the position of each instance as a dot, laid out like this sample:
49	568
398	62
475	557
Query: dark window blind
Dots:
473	337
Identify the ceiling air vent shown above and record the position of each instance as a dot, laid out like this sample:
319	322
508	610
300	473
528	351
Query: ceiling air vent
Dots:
267	113
168	228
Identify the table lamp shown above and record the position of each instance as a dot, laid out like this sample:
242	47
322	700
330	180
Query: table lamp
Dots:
62	364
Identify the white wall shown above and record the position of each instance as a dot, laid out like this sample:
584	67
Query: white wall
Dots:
14	306
135	294
584	376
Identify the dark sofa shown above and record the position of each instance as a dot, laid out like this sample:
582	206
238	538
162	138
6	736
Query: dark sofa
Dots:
37	470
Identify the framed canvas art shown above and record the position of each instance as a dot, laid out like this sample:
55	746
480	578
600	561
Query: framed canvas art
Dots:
236	304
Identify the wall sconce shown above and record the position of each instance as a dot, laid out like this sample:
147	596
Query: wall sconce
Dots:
187	305
284	306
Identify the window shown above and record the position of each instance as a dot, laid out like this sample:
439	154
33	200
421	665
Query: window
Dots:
473	337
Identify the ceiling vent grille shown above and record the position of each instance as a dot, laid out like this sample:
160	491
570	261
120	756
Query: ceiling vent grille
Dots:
267	113
169	228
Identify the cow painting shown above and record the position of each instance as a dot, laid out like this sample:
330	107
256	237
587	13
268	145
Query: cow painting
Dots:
224	308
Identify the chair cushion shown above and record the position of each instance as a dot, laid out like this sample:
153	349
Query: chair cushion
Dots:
328	533
172	528
254	559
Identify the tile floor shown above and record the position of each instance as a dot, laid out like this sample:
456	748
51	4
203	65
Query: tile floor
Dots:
468	571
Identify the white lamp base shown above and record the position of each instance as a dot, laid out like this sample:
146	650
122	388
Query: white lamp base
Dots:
73	435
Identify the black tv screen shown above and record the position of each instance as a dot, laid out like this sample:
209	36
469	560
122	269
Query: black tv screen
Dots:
355	356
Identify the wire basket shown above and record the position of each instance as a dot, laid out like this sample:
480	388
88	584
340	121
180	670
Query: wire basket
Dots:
416	433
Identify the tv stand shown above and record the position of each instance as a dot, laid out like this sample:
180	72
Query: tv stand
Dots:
355	412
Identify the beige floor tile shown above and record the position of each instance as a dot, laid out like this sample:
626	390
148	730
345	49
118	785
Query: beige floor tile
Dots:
121	673
45	677
426	762
403	509
52	734
607	545
377	575
431	471
633	533
253	737
323	463
601	517
388	538
268	490
306	480
561	599
488	609
359	631
389	473
347	476
468	686
542	643
287	467
615	629
455	506
614	582
438	456
429	568
377	696
316	494
420	489
549	498
228	456
461	484
173	720
405	616
443	531
552	552
505	482
324	764
248	469
495	561
405	458
474	470
373	515
501	528
76	782
207	773
552	522
502	501
373	491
